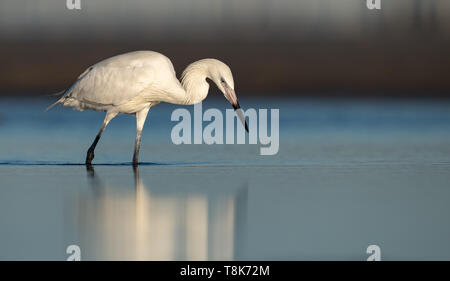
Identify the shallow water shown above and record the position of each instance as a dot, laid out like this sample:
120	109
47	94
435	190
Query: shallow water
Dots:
349	173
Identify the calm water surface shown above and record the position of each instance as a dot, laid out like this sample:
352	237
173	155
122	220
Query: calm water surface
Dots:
349	173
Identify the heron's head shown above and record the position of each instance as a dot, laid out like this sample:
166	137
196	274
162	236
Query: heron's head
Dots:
221	75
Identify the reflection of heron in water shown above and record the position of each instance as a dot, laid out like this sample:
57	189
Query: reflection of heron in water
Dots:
157	224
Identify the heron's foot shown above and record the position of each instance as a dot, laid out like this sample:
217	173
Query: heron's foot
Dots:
89	156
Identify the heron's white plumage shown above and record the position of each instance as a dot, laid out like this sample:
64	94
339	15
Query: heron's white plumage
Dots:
137	78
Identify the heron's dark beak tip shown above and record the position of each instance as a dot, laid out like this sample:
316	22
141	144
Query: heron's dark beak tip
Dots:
236	107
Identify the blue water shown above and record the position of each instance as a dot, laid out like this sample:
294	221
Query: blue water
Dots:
348	174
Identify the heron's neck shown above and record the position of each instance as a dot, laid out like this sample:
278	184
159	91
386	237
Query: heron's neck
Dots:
194	82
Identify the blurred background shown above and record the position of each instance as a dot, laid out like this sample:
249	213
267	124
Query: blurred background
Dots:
292	47
364	131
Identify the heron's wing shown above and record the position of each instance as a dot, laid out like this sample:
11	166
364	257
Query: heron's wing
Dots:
111	85
117	80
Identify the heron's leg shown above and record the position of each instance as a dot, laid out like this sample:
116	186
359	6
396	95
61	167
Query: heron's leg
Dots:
140	120
90	153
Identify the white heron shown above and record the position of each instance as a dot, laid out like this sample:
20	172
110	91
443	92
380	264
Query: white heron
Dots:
131	83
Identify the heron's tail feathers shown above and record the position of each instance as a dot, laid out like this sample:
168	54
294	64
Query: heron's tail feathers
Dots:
56	102
53	105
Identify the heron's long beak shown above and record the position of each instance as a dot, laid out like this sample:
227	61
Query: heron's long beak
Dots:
230	95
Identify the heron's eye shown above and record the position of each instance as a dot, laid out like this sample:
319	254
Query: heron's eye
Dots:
222	80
